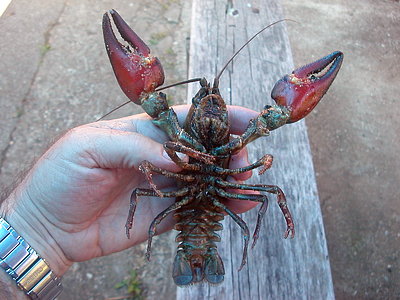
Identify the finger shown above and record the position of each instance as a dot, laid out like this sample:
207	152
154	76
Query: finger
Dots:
240	160
140	123
240	206
239	117
109	148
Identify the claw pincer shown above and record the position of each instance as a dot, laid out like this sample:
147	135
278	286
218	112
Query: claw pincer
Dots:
137	71
301	91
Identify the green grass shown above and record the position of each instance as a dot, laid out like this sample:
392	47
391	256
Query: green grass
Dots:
45	48
155	38
132	287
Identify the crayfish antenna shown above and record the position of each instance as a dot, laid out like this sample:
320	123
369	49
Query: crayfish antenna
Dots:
111	111
157	90
178	83
216	80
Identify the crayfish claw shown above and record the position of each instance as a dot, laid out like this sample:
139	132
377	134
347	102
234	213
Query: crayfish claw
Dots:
301	91
136	70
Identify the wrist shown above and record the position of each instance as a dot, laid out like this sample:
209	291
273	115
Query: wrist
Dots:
8	288
27	220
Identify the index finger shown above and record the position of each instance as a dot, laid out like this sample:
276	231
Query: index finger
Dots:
239	118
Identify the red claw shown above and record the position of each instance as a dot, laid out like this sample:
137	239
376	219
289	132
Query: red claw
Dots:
137	71
301	91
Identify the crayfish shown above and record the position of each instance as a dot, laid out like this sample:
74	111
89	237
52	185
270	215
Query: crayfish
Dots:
205	139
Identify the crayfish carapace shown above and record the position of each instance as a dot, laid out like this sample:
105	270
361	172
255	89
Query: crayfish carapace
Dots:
206	140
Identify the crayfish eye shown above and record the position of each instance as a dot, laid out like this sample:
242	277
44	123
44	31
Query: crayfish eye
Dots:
204	83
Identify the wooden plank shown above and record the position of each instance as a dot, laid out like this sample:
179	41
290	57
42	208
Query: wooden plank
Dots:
277	268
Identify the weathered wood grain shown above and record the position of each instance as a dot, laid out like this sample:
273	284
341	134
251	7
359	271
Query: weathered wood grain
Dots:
277	268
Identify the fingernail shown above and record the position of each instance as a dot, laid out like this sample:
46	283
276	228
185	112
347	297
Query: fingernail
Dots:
182	156
165	154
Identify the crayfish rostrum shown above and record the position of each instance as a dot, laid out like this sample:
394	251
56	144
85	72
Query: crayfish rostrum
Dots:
205	139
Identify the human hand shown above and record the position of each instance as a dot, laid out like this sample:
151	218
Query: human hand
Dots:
73	204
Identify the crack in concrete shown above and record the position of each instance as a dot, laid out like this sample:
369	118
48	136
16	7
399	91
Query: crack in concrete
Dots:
21	108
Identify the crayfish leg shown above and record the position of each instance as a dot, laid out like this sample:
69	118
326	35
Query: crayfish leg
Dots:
183	164
273	189
148	168
286	212
260	217
249	197
131	213
265	162
178	147
241	223
161	216
150	193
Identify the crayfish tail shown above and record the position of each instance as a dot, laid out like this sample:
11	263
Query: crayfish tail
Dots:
197	258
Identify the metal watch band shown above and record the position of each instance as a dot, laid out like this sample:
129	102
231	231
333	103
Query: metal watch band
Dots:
31	273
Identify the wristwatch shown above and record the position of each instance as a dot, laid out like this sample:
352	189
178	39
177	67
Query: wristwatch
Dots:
31	272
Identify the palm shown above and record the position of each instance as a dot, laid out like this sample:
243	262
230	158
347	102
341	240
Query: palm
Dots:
92	206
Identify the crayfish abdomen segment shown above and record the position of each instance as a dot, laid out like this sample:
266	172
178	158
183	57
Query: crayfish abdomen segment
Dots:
197	258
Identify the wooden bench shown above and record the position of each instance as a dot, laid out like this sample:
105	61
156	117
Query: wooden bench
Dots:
276	268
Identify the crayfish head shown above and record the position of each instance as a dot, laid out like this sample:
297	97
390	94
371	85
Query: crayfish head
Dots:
301	91
137	71
210	121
